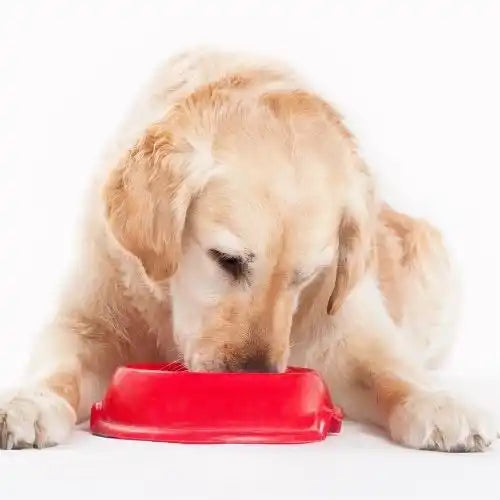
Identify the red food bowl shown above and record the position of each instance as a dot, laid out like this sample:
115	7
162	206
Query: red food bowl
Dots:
168	403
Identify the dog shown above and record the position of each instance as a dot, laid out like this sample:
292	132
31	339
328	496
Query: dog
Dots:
234	226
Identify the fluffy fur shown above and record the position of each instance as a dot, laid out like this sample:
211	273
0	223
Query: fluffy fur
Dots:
234	225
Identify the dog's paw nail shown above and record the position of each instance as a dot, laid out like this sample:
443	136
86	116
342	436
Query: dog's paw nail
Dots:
10	441
435	421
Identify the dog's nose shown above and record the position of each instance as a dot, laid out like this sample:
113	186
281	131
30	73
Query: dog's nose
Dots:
258	363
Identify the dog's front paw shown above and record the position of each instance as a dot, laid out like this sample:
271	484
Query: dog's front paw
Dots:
436	421
34	419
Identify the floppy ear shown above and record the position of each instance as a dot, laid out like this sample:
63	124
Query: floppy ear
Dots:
355	237
147	198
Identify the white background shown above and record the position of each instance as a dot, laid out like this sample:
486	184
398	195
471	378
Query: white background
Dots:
419	84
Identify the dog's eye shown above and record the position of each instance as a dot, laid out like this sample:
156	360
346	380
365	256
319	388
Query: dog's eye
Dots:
233	265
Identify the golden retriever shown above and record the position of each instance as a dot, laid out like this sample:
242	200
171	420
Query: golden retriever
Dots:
235	226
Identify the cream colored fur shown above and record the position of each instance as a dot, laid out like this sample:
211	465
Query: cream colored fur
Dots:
225	152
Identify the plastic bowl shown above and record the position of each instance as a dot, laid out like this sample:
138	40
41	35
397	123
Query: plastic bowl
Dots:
168	403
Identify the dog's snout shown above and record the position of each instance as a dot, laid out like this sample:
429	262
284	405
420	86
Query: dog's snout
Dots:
236	360
258	362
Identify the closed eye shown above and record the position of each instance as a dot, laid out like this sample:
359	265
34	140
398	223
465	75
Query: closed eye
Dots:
234	265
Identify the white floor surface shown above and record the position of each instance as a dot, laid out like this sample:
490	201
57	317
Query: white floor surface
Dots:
358	463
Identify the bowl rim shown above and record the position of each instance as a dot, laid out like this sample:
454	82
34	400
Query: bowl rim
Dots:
165	368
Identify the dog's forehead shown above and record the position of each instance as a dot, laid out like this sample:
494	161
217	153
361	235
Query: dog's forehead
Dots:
232	215
245	213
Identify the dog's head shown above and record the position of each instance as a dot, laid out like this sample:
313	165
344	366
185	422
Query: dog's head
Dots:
240	207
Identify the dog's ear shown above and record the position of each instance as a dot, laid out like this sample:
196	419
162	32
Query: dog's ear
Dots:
147	197
355	236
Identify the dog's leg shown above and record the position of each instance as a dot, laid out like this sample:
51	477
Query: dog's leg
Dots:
69	370
374	378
